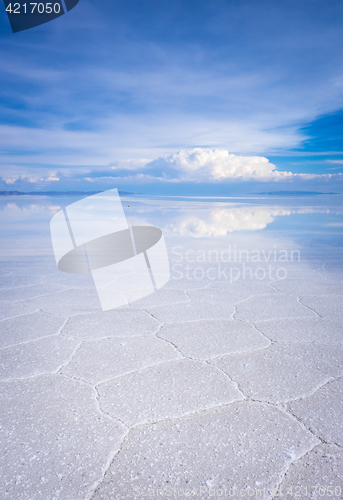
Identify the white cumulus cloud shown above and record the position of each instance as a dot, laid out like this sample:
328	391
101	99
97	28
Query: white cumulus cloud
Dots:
217	165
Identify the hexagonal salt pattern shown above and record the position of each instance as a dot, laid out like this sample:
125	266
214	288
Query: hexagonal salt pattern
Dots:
29	327
100	360
10	310
191	311
304	286
185	284
56	442
69	280
31	266
326	358
268	376
244	288
161	297
165	391
322	412
116	323
41	356
293	330
271	306
29	292
242	446
214	296
67	302
329	306
210	338
316	475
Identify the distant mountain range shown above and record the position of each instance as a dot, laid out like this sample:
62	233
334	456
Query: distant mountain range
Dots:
291	193
58	193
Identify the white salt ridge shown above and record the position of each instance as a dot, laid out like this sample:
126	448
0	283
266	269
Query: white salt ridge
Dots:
65	303
266	307
210	338
161	297
214	296
241	444
10	310
293	330
268	376
96	361
329	306
115	323
302	271
245	288
322	412
69	280
29	327
35	358
155	395
191	311
27	292
317	474
55	440
331	274
185	284
326	358
304	286
29	267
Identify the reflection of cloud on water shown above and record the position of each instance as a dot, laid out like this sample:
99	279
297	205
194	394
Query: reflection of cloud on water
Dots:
202	223
30	208
196	219
219	222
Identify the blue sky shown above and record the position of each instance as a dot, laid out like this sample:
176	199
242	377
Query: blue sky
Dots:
174	97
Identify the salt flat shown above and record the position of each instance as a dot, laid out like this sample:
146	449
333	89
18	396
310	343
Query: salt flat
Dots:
206	388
